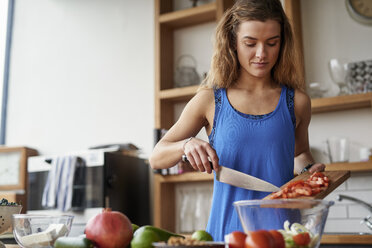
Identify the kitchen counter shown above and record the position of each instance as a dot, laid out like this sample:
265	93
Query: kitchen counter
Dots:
326	239
347	239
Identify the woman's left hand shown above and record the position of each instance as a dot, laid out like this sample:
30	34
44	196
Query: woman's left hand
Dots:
317	167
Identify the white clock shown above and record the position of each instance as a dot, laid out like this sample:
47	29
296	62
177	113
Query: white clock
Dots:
10	168
13	167
360	10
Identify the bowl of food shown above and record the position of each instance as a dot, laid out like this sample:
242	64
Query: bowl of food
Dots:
300	221
40	230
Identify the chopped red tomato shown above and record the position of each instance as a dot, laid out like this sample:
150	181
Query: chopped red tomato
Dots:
316	183
236	239
302	239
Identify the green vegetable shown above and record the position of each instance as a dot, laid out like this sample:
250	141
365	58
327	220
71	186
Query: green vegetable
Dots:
144	239
144	236
202	235
73	242
134	227
163	235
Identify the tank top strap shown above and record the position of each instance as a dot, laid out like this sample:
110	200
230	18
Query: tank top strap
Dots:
290	104
217	107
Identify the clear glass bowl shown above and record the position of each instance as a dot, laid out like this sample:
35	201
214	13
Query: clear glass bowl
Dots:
281	214
35	231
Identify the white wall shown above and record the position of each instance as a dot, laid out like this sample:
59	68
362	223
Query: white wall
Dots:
329	32
81	74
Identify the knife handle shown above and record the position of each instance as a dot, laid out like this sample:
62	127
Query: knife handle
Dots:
185	159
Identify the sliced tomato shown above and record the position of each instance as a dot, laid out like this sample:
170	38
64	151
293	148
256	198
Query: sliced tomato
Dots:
259	239
317	174
236	239
278	239
302	239
312	186
292	184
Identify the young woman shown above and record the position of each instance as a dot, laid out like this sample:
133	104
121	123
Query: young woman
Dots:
253	108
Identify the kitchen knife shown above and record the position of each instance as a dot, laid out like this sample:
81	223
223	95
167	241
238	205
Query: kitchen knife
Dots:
240	179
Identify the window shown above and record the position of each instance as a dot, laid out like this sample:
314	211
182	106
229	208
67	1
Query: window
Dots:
6	21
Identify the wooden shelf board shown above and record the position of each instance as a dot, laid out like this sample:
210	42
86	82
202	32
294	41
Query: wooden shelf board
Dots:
189	17
178	94
337	103
346	239
185	177
319	105
352	166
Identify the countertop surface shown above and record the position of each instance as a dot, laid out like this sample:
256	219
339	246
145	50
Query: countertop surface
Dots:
326	239
346	239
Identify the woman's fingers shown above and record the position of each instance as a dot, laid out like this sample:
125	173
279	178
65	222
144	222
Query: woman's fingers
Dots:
198	153
198	161
318	167
206	163
213	158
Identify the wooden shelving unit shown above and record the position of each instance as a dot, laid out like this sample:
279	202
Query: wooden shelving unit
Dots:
166	22
337	103
166	96
178	94
189	17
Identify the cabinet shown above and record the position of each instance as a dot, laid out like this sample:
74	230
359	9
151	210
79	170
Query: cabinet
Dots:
166	96
166	22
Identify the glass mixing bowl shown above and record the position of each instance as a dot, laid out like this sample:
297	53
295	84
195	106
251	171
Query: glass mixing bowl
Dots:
288	216
33	231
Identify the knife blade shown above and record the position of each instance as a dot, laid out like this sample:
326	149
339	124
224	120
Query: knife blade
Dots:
240	179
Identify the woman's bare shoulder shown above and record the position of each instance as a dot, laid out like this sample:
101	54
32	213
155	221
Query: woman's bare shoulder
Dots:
302	100
204	96
302	104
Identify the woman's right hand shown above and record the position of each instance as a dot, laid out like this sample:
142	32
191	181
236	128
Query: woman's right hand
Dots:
199	153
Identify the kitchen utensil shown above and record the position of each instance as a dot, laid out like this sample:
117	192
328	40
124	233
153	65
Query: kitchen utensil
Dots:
40	230
273	214
336	178
240	179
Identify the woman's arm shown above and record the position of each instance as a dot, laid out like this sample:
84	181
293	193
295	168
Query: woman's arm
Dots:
169	150
303	155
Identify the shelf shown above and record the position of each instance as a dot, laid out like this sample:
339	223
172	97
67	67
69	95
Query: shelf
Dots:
185	177
352	166
178	94
318	105
337	103
189	17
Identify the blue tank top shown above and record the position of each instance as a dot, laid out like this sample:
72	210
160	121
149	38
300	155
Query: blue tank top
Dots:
259	145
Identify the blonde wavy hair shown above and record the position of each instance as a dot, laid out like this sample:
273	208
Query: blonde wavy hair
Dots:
225	66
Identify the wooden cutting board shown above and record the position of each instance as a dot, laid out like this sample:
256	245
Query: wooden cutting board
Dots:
336	179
